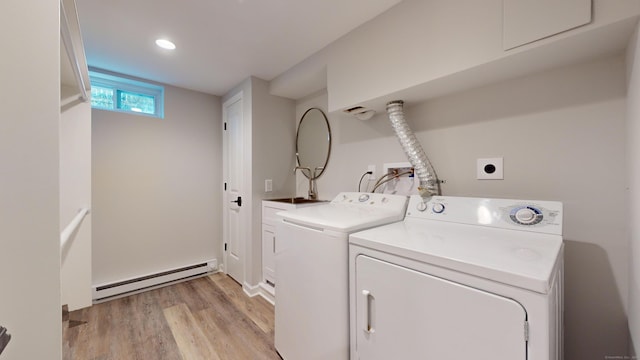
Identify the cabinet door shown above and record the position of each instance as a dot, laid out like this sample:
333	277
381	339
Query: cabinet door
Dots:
404	314
526	21
268	253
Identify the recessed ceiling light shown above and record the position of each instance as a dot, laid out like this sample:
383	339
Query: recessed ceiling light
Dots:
165	44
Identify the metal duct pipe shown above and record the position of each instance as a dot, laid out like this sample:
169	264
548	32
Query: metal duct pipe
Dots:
429	184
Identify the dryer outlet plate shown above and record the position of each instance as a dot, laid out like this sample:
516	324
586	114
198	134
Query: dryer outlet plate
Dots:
490	169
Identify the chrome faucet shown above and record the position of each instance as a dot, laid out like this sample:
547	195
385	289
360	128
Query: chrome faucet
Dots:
312	177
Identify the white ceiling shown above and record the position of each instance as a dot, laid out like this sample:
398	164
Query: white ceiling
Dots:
219	42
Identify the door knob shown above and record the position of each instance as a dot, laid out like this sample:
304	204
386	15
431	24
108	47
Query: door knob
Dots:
238	201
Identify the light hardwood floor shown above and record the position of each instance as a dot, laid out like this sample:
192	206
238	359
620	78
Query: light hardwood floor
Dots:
206	318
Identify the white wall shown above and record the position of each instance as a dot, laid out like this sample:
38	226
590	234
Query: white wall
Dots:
273	158
361	71
435	45
561	134
30	305
633	166
157	187
75	193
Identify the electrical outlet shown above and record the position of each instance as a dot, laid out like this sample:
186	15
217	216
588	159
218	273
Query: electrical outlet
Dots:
490	169
268	185
372	168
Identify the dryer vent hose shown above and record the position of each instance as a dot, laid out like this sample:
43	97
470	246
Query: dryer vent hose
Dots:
429	184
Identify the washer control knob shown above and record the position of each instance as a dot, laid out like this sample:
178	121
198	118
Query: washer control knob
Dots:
526	215
363	197
422	206
438	208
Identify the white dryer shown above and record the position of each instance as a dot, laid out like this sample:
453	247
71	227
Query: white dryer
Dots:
312	304
459	278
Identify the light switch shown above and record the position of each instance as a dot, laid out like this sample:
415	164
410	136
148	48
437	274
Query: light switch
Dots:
268	185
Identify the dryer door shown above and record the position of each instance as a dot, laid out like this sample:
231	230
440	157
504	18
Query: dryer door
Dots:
405	314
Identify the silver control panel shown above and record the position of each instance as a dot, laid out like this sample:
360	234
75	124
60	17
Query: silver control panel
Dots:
373	200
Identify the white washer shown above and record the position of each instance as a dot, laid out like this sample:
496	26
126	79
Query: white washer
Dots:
312	304
459	278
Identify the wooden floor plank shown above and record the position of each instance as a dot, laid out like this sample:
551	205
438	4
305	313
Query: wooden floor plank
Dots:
123	339
193	344
235	324
182	293
256	308
204	318
153	335
227	345
90	341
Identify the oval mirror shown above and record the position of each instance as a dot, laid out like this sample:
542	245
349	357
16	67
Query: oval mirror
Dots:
313	143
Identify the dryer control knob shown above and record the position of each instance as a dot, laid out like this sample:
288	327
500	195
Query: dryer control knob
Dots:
527	215
438	208
363	197
422	206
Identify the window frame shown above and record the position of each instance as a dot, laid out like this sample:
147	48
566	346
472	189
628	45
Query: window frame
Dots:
119	84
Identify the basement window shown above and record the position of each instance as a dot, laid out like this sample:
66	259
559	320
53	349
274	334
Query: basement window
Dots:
117	93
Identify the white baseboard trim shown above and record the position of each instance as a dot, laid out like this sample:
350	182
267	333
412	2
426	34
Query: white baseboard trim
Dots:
264	290
250	290
268	292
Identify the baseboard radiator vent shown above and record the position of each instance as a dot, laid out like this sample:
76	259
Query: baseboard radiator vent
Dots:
127	287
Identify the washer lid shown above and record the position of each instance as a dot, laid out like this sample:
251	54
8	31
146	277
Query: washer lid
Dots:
350	212
342	218
519	258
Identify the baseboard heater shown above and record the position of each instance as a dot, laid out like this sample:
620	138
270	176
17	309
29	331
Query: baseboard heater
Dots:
126	287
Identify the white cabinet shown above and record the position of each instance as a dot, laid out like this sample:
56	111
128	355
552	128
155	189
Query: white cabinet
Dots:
269	240
526	21
268	253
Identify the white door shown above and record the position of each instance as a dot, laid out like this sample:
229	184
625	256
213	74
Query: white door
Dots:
233	208
405	314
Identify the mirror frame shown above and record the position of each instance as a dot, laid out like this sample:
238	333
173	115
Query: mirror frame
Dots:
326	161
